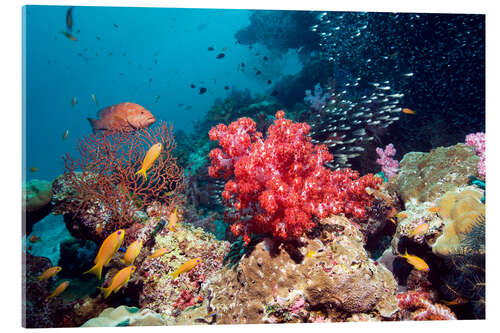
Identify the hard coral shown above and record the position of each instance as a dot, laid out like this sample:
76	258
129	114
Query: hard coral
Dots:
279	183
416	305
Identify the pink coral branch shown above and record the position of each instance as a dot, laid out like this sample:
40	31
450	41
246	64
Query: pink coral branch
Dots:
478	141
390	166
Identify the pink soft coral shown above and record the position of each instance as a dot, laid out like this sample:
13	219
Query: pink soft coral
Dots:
478	141
390	166
279	183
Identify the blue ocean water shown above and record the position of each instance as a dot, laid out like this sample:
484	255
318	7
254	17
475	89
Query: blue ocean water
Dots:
149	56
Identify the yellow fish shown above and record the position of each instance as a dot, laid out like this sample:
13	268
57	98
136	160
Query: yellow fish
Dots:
186	267
417	262
456	301
150	159
69	36
419	230
434	209
132	252
158	253
49	272
120	279
73	101
408	111
172	219
110	245
33	169
34	239
310	254
60	288
94	98
401	215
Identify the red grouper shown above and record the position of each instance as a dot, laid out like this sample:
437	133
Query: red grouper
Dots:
126	117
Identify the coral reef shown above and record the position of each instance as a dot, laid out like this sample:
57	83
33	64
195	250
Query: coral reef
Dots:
326	276
37	195
125	316
280	182
427	176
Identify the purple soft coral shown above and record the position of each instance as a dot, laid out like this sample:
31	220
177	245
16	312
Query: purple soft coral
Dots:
478	141
389	165
317	99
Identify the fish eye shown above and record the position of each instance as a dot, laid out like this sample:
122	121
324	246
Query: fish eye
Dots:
119	232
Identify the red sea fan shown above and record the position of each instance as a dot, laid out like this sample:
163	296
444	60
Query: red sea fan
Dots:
277	184
104	180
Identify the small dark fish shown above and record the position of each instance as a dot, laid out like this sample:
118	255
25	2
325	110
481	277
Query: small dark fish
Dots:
65	135
180	104
115	25
265	58
157	98
203	90
69	36
97	37
156	61
33	169
226	87
274	93
124	54
192	85
122	249
156	53
242	64
69	18
150	80
189	107
269	81
210	48
220	56
110	53
258	72
250	47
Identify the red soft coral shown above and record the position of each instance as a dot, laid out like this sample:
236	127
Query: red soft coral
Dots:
279	183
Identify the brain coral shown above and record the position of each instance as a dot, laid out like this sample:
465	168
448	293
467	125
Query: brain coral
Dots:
329	276
427	176
462	211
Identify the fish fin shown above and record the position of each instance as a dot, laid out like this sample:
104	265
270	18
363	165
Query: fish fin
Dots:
96	270
174	275
107	291
93	123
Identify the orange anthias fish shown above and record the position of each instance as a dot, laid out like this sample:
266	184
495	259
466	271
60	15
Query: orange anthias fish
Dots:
49	272
120	279
158	253
419	230
132	252
172	220
73	102
417	262
401	215
150	159
60	288
186	267
408	111
34	239
69	36
33	169
122	117
434	209
109	247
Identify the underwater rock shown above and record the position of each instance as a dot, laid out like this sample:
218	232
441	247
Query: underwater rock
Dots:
125	316
36	311
37	195
427	176
52	232
330	274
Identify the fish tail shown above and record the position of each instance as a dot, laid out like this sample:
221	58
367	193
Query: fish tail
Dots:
96	270
174	275
106	291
